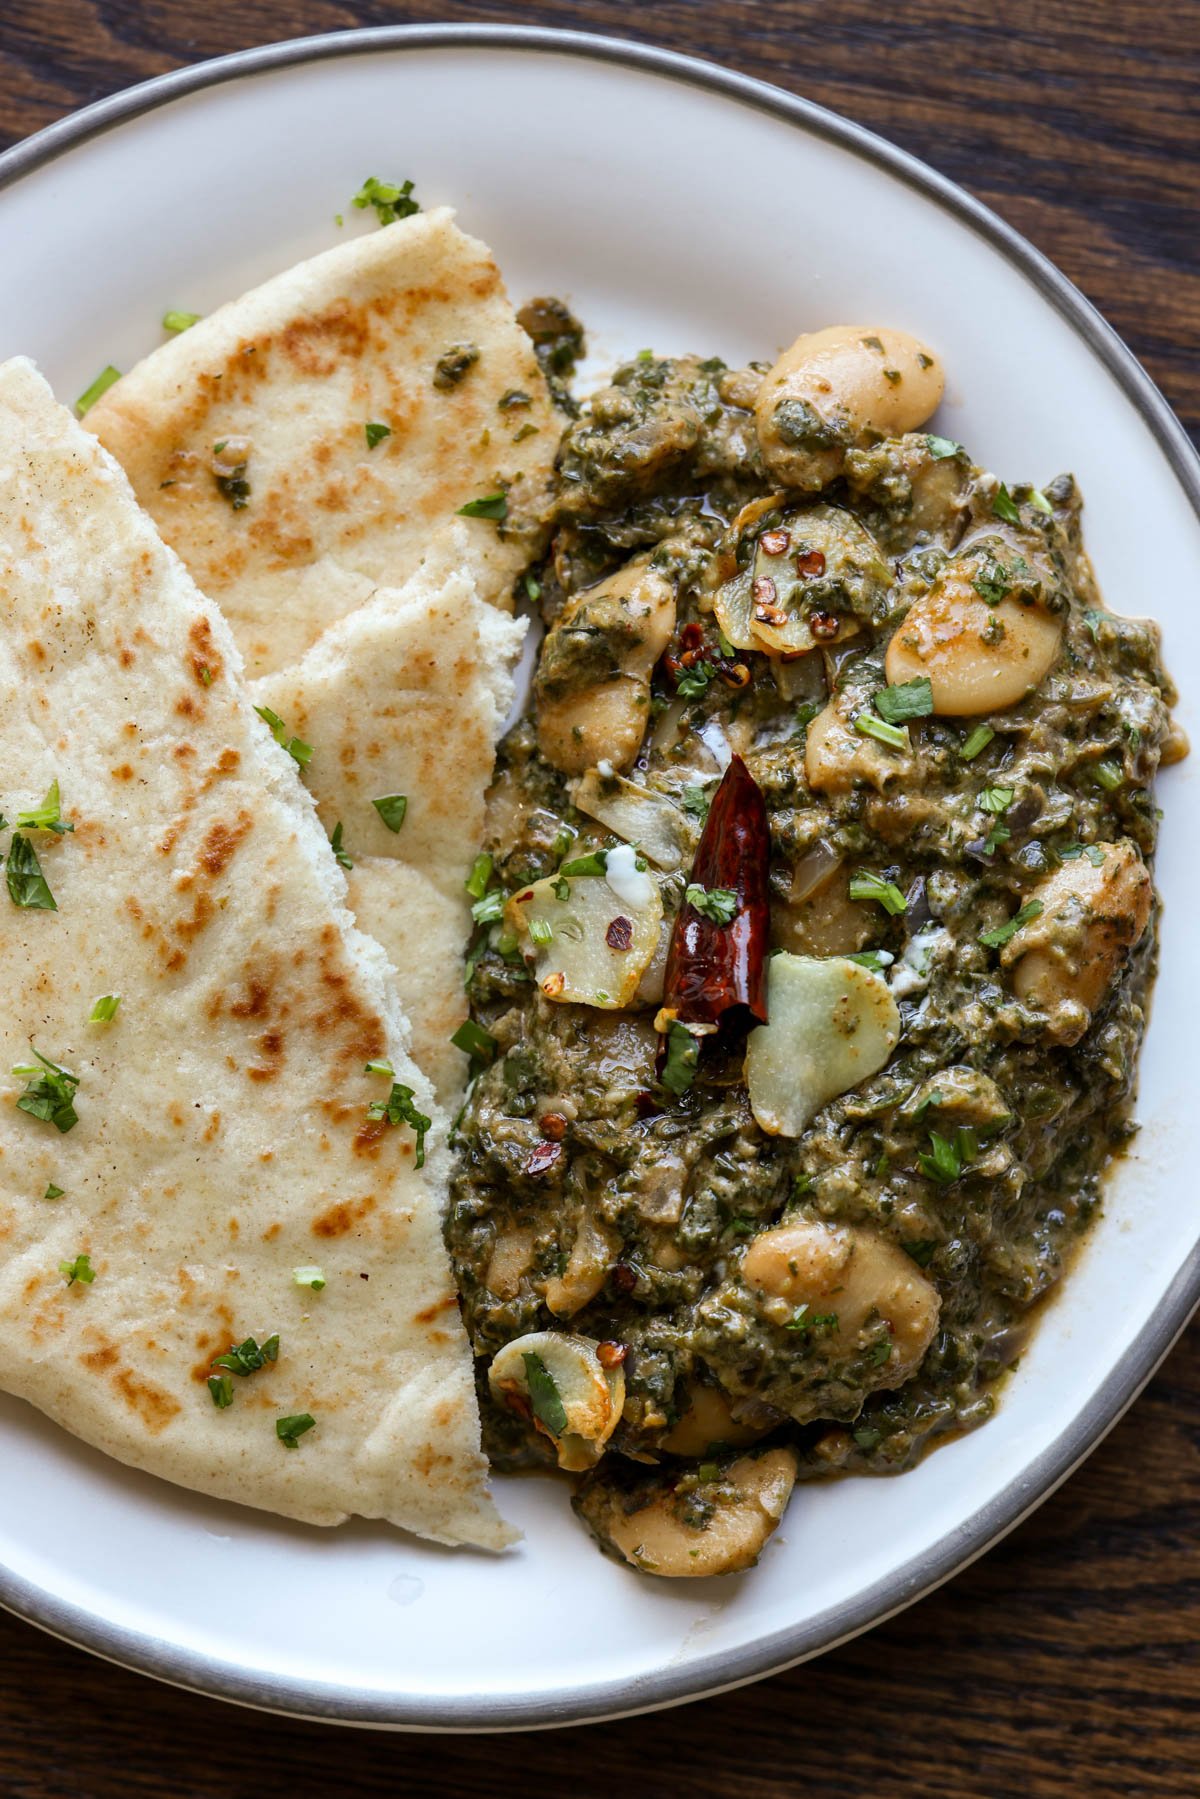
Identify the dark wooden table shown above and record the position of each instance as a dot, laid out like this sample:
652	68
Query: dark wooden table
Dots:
1066	1663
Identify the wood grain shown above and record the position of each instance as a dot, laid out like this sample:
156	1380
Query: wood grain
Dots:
1066	1663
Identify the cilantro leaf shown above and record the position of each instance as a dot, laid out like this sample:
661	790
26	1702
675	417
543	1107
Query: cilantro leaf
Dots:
997	938
391	808
391	200
290	1430
718	904
27	885
50	1094
544	1396
398	1108
908	699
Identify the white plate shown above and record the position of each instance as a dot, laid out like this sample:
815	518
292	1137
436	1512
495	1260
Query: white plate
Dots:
678	206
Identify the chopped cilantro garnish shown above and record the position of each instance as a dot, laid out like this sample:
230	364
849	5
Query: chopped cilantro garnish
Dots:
475	1042
895	736
247	1358
46	817
1005	507
995	799
908	699
379	1067
476	882
541	930
50	1094
532	586
53	1192
391	201
290	1430
221	1388
398	1108
105	1009
693	682
100	385
978	739
1000	936
696	802
943	1163
336	845
298	751
593	864
27	885
392	808
491	907
544	1396
867	886
941	448
181	321
492	505
375	432
80	1270
717	904
683	1057
874	959
1108	774
312	1278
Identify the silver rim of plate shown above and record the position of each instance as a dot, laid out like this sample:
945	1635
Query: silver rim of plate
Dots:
668	1686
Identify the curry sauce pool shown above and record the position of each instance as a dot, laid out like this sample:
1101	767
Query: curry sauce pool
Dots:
815	930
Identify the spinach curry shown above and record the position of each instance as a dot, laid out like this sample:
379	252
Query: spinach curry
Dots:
813	943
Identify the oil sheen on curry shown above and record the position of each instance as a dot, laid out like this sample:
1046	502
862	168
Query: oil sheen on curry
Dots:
815	932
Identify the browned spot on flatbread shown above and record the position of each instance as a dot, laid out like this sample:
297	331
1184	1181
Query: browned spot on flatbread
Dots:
123	772
435	1310
206	659
213	1342
152	1404
343	1217
221	843
101	1359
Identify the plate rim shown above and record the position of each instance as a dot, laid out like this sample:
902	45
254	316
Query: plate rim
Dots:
326	1702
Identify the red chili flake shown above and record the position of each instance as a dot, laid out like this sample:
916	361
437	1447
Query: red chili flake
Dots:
766	606
543	1157
647	1105
610	1354
691	638
824	625
554	1126
623	1277
774	542
619	934
522	897
811	562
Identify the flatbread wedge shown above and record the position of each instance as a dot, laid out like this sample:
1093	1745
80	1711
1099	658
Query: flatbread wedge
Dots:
165	1177
314	439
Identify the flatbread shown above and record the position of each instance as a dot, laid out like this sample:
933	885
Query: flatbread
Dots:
222	1138
406	696
291	374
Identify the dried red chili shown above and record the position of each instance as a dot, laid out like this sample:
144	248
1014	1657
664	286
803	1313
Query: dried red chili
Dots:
554	1126
717	974
824	625
619	934
610	1354
811	562
775	542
